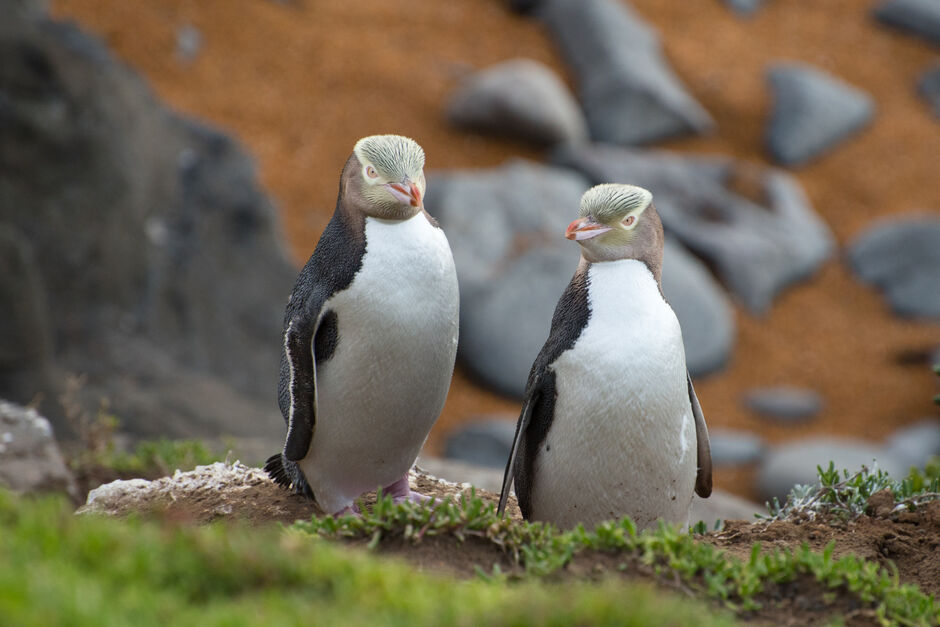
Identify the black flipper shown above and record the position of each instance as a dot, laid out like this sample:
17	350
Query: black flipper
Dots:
508	475
703	478
538	411
311	334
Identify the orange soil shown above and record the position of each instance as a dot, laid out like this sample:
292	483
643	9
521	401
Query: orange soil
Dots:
300	81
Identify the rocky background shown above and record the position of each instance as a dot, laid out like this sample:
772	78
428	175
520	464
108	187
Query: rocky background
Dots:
792	150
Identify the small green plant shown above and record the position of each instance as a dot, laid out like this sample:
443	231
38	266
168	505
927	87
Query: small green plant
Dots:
846	495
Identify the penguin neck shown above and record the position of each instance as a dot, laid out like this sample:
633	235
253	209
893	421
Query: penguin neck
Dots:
625	266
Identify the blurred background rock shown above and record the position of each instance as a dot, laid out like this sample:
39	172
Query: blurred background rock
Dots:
167	165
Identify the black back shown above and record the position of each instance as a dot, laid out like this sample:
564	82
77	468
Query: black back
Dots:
330	269
538	410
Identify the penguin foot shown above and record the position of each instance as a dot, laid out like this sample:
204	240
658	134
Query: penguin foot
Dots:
400	492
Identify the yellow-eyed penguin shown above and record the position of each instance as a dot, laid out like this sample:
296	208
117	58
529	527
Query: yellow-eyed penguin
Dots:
370	335
610	425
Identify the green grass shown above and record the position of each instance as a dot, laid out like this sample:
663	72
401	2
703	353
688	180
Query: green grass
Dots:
149	458
541	550
61	569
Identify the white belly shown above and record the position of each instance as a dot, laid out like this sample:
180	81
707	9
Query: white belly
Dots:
383	389
622	441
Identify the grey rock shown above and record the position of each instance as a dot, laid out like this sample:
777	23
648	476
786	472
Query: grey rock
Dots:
481	477
703	310
812	112
505	229
730	447
795	463
784	403
519	98
755	227
503	327
919	17
482	442
722	506
26	343
915	443
628	92
30	460
901	255
160	257
929	88
745	7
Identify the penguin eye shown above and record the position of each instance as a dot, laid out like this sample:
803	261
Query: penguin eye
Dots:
629	221
370	172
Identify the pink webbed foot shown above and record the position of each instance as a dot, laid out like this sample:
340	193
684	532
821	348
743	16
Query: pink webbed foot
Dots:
400	492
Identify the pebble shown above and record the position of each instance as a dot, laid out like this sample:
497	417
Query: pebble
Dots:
901	255
812	112
784	403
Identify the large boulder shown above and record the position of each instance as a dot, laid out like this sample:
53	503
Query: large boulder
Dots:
505	226
629	93
149	253
755	227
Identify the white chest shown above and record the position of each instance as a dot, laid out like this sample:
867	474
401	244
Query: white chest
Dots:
382	390
622	438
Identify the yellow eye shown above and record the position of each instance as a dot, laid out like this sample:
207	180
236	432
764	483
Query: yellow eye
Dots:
370	172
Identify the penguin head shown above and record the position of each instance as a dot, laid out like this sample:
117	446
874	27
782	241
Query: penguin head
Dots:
385	177
618	222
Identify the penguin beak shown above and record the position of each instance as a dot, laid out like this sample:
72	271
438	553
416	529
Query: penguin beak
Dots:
406	192
585	228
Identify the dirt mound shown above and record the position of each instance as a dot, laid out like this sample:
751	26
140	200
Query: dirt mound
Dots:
910	540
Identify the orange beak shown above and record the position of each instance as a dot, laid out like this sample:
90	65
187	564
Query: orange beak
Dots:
406	192
585	228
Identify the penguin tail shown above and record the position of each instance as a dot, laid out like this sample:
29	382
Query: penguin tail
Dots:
288	475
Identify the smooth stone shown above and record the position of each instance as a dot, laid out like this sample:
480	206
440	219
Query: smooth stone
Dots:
795	463
918	17
915	443
519	98
503	326
702	307
786	403
901	255
629	93
505	226
732	447
754	226
929	88
745	8
483	442
456	471
812	112
30	460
